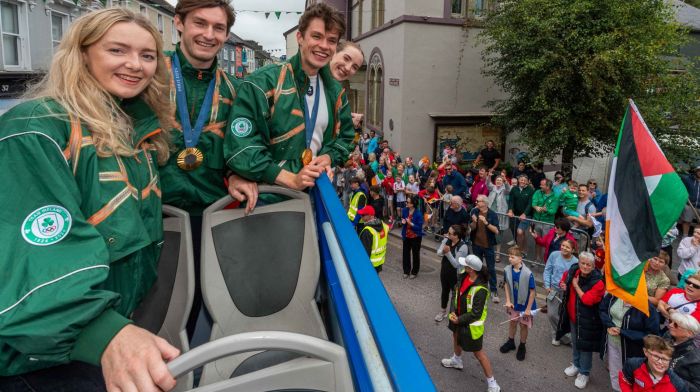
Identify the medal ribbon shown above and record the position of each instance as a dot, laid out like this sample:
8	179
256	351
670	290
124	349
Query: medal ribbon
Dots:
311	121
191	135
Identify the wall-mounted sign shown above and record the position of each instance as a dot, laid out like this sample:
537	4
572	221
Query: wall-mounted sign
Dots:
14	85
393	82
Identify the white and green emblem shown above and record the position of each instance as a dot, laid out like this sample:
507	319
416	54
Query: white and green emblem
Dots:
241	127
46	225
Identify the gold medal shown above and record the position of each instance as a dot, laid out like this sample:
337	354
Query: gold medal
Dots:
190	158
306	156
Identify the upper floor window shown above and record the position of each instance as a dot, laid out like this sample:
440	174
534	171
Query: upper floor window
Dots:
14	34
143	10
159	23
359	17
459	8
59	24
375	97
479	8
377	13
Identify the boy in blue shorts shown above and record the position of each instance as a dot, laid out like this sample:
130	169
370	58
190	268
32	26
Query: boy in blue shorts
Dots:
520	300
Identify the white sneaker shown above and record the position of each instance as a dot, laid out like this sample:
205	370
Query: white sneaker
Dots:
571	370
495	299
581	381
440	316
452	363
494	388
511	243
555	342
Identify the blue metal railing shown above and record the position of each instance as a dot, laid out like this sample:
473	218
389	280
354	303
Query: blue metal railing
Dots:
403	365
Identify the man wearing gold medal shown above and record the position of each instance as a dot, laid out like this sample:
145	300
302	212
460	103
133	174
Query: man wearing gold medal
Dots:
291	121
203	94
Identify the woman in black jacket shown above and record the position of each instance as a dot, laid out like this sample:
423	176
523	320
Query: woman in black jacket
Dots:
686	357
626	328
583	289
468	316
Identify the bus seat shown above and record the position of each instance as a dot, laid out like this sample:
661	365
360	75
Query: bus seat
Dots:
260	273
166	307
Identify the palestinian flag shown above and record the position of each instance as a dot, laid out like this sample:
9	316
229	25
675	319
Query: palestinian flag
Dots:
645	198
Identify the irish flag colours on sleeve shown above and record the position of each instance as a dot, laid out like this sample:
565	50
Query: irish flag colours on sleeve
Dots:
645	198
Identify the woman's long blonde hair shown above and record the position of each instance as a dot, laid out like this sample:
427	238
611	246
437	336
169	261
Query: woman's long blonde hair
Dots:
70	84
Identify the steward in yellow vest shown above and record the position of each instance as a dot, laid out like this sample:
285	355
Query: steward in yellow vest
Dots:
374	236
468	316
357	201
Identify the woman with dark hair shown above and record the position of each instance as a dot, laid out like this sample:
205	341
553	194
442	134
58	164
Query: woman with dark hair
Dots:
468	315
412	235
451	249
626	328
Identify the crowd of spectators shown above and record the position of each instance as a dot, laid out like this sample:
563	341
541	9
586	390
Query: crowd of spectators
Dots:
473	205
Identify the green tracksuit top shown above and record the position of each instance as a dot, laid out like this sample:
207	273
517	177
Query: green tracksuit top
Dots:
195	190
550	202
267	131
80	235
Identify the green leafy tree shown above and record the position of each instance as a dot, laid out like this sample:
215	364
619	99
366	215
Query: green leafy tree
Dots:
569	67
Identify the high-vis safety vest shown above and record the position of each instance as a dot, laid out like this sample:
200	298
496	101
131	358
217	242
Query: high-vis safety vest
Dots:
354	202
476	328
379	240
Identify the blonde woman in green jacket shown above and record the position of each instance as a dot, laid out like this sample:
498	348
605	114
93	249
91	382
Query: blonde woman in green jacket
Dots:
81	223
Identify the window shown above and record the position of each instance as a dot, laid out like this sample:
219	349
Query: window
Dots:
459	8
480	8
359	16
377	13
143	10
173	32
376	92
159	23
13	30
59	24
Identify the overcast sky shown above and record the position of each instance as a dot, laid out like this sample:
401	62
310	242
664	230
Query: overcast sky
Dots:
267	32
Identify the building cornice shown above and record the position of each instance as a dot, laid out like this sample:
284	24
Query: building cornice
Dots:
411	19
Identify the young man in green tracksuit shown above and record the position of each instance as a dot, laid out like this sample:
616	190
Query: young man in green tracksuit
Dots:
291	121
194	176
203	96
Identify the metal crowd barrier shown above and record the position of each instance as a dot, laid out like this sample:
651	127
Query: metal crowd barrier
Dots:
583	239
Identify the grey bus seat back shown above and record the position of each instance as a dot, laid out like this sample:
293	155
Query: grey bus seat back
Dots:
320	365
259	273
166	307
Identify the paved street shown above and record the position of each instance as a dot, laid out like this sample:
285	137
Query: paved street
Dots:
417	302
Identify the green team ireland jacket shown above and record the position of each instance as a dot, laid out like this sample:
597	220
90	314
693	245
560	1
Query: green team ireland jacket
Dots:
80	236
267	131
195	190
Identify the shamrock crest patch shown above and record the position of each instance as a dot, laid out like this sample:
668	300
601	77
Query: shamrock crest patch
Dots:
241	127
46	225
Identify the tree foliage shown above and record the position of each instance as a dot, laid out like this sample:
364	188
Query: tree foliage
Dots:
569	68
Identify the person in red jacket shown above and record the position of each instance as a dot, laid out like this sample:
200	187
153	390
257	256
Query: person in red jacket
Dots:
685	300
583	289
551	242
388	186
651	373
